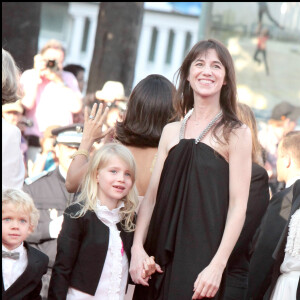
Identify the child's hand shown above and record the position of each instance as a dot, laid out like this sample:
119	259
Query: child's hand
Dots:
150	267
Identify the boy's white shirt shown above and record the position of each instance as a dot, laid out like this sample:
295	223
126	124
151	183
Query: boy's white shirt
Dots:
13	269
291	181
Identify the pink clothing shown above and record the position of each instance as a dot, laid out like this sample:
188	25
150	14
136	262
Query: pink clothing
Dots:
261	43
53	105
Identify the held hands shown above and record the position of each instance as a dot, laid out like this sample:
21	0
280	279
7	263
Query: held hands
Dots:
150	267
208	282
142	266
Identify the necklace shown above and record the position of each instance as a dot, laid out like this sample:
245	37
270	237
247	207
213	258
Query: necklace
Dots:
206	129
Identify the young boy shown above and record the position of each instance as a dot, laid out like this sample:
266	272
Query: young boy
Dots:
22	265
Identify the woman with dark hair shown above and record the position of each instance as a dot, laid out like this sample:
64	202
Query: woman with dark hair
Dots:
195	204
149	109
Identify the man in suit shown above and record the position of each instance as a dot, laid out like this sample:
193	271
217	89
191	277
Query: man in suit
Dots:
51	196
275	218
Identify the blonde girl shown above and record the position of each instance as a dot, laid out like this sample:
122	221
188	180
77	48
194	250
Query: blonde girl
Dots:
97	233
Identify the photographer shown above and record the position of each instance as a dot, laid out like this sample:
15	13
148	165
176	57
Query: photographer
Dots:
51	95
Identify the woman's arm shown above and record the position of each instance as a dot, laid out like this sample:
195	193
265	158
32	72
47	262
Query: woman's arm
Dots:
138	254
240	147
92	132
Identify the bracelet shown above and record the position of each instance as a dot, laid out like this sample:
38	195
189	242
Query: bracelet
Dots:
81	152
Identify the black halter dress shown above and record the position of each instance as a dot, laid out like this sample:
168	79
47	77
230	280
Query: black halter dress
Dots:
188	220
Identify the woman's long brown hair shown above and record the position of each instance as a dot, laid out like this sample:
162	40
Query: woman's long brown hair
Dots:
184	97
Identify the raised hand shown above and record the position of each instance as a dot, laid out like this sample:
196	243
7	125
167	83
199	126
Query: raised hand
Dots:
92	131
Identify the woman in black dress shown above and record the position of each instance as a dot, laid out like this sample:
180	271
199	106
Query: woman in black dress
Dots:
197	196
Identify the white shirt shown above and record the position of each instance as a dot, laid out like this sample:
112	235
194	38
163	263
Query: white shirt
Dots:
287	282
13	169
113	280
291	181
12	269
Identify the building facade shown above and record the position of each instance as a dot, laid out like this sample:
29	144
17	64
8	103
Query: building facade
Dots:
167	35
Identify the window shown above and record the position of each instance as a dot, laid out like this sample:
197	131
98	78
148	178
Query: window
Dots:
187	44
87	24
153	44
55	20
170	47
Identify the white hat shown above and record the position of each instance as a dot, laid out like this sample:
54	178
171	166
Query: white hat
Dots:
111	91
70	135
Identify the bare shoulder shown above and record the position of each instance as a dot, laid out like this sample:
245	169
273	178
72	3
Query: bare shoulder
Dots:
240	136
170	135
241	132
172	126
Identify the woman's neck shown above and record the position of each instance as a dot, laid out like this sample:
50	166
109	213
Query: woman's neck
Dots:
205	110
206	107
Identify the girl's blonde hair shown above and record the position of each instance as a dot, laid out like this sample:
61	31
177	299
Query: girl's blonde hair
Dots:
89	186
22	202
246	115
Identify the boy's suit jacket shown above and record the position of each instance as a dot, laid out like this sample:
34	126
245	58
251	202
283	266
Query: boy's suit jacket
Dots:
29	284
81	250
269	233
279	251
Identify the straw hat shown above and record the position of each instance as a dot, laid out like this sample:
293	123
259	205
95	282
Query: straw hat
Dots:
111	91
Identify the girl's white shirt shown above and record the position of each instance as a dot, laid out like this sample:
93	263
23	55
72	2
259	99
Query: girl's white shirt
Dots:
113	280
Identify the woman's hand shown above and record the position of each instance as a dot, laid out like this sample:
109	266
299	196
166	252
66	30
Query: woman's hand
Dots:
208	282
92	131
141	266
150	267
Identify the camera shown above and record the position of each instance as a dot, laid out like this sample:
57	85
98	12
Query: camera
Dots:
26	122
52	64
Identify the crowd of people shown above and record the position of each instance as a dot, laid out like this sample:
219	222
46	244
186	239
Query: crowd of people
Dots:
171	193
